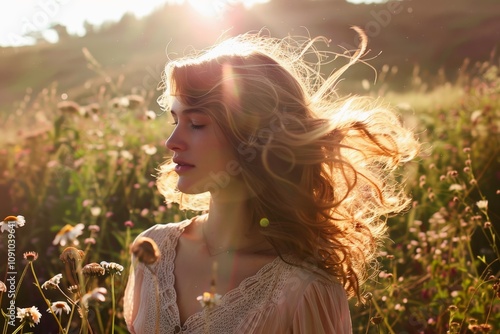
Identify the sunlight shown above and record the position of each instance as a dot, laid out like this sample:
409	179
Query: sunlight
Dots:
216	8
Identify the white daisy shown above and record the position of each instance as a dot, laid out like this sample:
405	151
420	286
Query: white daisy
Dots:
59	307
149	149
68	234
12	221
52	283
96	294
29	314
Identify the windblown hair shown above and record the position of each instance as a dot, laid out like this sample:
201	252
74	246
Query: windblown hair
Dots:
320	168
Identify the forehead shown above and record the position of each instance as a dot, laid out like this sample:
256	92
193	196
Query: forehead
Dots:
178	108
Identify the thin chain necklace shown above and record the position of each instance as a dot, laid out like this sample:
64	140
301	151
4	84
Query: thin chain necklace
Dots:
214	251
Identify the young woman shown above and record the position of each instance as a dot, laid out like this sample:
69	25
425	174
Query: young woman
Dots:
293	181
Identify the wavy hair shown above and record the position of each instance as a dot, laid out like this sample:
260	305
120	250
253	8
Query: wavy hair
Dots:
320	168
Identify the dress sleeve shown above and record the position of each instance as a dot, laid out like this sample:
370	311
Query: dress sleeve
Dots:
323	310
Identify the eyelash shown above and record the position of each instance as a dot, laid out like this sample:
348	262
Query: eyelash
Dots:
193	126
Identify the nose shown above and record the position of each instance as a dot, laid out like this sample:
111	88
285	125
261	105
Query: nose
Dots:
175	142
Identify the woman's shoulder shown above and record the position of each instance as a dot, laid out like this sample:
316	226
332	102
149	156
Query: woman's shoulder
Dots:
160	232
313	280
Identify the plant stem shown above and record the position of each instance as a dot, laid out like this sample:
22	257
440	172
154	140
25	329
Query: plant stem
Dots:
21	280
44	298
19	328
377	307
113	310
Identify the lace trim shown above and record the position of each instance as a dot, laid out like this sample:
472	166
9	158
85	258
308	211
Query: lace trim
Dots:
253	293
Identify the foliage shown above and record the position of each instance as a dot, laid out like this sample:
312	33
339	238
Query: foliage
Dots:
65	164
440	268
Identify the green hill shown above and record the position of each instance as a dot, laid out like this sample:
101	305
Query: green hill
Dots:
132	52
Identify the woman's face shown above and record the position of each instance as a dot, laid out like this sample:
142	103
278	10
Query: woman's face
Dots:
204	159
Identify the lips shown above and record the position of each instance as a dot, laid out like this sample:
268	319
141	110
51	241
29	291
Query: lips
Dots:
182	166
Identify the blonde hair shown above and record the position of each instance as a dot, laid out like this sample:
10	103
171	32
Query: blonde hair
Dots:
321	168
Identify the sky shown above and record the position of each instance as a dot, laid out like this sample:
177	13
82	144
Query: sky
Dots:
21	16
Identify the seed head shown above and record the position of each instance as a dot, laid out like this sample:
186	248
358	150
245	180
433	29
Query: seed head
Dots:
145	250
93	270
71	253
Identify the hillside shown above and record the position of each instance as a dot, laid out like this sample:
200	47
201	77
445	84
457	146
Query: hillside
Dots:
432	34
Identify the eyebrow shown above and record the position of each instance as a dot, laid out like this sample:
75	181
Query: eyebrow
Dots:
189	112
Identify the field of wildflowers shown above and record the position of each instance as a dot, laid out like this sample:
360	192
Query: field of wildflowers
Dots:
77	185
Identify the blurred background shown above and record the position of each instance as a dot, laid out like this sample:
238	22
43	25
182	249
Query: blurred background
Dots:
42	40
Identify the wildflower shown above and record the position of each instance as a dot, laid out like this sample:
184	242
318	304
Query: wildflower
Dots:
52	283
29	314
134	101
94	108
71	253
93	269
126	155
454	326
128	223
456	187
69	107
95	211
12	221
96	294
3	287
145	250
150	114
59	307
94	228
112	267
68	234
30	256
209	300
482	205
149	149
485	328
73	289
88	241
452	308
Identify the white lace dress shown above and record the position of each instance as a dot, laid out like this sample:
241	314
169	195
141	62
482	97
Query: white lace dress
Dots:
279	298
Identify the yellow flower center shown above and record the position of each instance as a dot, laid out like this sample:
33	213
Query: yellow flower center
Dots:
66	228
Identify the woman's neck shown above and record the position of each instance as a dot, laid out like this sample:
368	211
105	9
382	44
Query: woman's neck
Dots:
228	227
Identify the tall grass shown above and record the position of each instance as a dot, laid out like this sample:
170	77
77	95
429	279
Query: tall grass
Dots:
69	162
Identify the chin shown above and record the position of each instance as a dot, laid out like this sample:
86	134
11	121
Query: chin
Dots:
190	188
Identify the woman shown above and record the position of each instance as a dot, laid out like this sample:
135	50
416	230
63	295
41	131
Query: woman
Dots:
293	181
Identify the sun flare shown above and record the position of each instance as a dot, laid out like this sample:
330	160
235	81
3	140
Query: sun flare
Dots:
216	8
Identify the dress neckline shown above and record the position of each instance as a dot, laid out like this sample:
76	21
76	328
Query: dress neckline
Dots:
198	315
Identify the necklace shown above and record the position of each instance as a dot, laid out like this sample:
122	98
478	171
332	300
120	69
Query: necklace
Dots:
214	251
